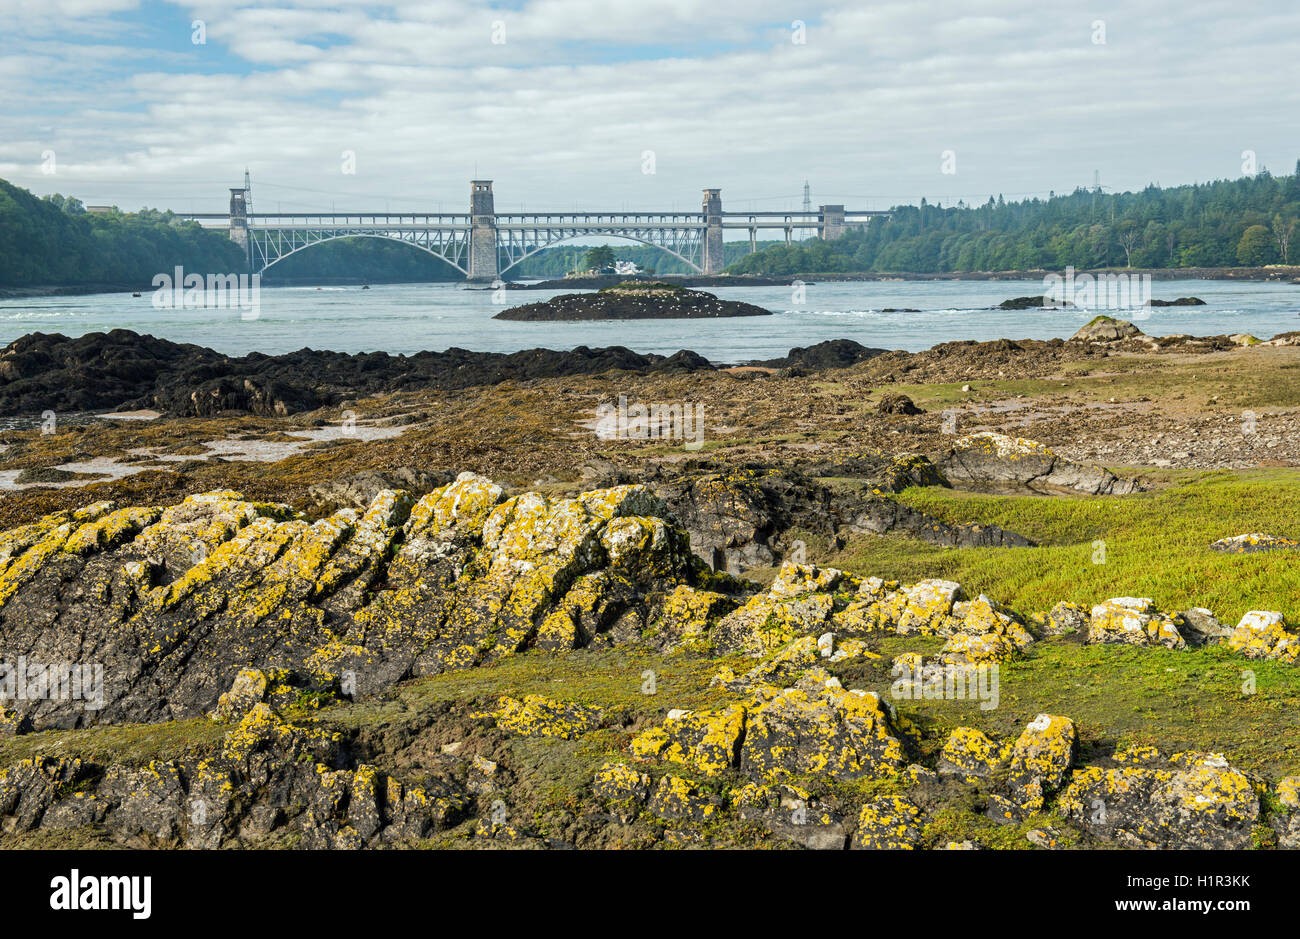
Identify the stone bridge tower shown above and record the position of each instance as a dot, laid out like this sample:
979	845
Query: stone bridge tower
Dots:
239	218
831	223
483	263
711	251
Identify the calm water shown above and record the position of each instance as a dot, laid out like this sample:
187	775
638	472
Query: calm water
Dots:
408	318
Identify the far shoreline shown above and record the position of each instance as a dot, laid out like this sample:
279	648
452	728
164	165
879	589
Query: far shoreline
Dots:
1273	274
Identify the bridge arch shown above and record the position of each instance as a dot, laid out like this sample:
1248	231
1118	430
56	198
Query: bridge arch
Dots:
552	242
271	262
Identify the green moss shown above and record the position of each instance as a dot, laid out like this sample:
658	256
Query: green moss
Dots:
1156	545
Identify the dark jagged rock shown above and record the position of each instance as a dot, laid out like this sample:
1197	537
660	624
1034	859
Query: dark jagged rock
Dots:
995	462
880	516
833	353
1181	301
267	779
125	370
739	519
897	404
1033	303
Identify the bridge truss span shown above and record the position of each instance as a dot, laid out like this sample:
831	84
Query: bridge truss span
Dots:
680	234
483	244
273	238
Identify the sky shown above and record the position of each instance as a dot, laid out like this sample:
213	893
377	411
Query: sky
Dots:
629	105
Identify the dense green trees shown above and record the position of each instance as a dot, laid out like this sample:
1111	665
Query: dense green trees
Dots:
55	241
598	258
1221	224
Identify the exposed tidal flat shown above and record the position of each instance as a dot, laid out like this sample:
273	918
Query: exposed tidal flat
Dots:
409	318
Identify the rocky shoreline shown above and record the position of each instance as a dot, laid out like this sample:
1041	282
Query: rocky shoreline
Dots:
124	370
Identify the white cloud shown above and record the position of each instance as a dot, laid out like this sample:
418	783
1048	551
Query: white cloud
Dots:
561	112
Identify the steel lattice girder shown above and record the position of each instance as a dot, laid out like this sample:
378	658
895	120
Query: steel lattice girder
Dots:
680	236
682	241
269	245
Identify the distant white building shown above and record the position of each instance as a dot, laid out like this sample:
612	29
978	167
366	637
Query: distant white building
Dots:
625	267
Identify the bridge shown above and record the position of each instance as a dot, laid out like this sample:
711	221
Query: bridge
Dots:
484	244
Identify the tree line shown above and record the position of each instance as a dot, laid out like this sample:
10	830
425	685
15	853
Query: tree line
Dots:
1242	222
55	241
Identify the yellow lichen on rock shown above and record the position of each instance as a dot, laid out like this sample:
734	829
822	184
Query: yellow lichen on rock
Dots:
1263	634
971	752
707	741
889	823
535	716
1135	621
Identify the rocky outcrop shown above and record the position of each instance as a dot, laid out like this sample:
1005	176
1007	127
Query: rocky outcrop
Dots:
1180	301
1135	621
1107	329
997	463
1265	634
1191	800
267	778
740	519
1033	303
173	602
833	353
879	516
897	404
633	300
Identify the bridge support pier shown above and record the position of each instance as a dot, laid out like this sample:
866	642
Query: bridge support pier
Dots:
483	261
831	224
239	221
711	250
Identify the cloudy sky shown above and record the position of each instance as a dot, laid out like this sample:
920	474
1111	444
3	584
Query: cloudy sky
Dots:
613	104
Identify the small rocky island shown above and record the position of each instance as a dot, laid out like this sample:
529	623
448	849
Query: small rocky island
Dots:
633	300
